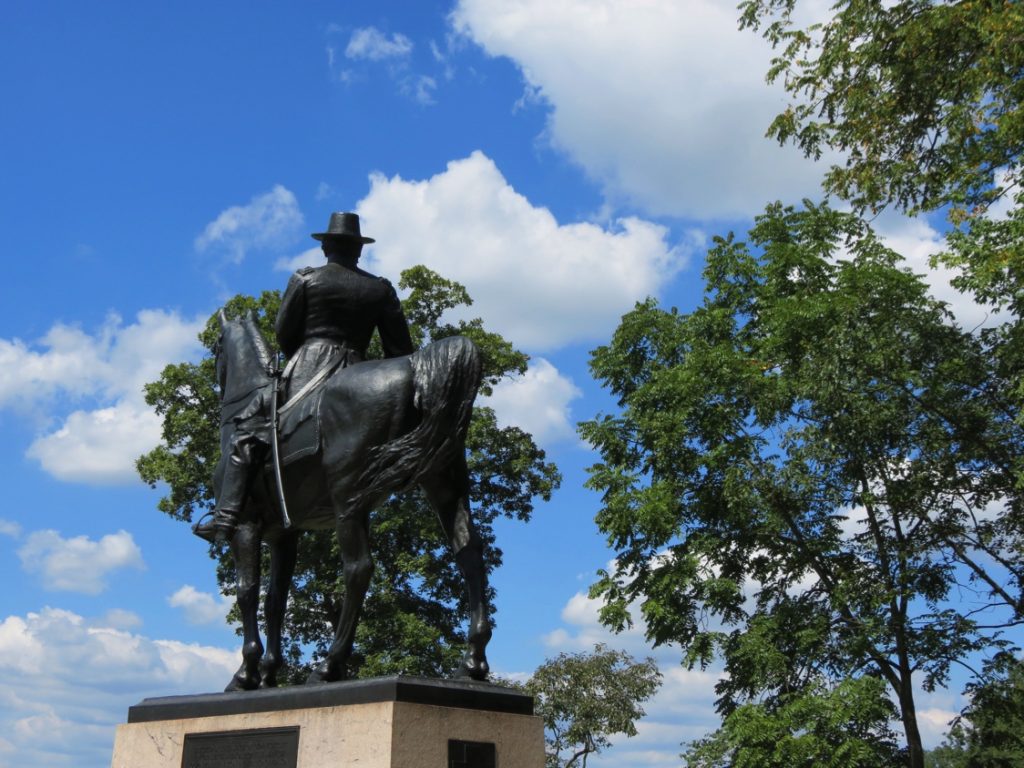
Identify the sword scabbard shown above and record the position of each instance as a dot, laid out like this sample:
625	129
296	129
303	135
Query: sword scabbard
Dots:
276	452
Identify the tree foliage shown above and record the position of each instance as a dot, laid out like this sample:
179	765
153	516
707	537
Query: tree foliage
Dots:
820	726
585	698
921	98
414	613
803	469
990	731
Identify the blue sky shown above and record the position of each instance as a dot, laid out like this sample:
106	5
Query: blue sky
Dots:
561	158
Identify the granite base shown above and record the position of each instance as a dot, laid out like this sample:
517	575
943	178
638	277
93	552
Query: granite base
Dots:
396	722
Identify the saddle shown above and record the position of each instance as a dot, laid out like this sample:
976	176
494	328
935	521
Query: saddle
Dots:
298	419
298	425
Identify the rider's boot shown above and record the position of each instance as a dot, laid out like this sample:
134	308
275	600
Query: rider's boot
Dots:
221	525
218	527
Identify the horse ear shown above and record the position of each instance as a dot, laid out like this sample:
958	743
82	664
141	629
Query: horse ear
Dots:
222	318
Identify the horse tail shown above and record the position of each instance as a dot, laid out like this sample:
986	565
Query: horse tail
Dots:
446	375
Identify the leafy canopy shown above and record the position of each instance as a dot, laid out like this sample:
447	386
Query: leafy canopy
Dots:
585	698
845	726
922	102
921	98
413	616
990	731
803	469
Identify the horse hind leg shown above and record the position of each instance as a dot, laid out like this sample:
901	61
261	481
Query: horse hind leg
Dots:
449	496
245	547
471	563
283	552
357	569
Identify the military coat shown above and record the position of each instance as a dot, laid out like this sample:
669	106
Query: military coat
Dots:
330	312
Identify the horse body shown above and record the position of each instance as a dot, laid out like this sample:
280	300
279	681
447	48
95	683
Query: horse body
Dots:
385	425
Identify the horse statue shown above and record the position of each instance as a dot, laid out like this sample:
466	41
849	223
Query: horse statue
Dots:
384	426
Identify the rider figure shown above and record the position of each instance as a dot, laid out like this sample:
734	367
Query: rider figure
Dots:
327	317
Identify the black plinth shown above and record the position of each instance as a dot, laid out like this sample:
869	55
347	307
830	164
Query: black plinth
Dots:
462	694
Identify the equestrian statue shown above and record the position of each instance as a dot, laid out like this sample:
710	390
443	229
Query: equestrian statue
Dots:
323	442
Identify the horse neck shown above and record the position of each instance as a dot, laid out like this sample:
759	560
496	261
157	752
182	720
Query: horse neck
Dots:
246	363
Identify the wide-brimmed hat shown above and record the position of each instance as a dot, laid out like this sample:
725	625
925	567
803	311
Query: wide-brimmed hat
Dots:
344	226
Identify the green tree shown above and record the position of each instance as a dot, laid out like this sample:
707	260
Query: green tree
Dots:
414	613
585	698
801	471
842	726
923	101
922	98
945	756
990	731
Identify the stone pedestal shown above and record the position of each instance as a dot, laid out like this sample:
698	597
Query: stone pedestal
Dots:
394	722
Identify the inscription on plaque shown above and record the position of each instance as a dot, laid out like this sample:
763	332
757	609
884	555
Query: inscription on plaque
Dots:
471	754
260	748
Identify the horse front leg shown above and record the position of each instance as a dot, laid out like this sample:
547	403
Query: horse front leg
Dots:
245	547
449	496
282	567
357	570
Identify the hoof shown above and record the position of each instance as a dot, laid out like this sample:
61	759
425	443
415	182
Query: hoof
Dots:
243	681
473	669
322	673
268	672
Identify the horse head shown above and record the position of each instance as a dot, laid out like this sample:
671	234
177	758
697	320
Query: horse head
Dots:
243	356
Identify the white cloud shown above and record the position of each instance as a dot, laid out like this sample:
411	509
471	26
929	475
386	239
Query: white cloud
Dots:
118	618
1010	181
312	257
537	402
267	220
114	362
681	710
98	447
934	723
105	371
664	102
18	646
68	681
394	52
10	528
200	607
323	191
917	241
539	283
370	43
78	564
420	88
68	365
582	630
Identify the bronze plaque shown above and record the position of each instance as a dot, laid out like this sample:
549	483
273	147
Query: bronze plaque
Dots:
260	748
470	754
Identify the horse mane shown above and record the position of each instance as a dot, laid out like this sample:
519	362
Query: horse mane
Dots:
252	328
249	356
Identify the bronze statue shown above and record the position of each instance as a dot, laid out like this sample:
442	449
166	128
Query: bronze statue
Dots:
351	433
325	322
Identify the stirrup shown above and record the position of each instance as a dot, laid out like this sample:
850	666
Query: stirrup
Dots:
218	525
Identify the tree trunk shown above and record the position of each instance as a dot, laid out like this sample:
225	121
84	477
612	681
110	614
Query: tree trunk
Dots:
908	714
